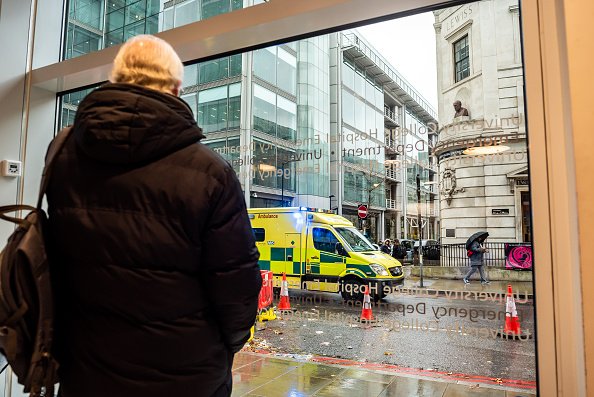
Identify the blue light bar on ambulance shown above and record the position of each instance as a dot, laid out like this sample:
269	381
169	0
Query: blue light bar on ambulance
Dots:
319	210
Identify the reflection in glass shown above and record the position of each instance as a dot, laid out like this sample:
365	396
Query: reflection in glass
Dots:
356	241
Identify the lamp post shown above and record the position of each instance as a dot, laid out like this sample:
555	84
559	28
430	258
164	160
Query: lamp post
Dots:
419	227
375	186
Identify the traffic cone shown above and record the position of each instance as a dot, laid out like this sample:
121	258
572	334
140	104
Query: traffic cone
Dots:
284	304
512	323
366	313
512	329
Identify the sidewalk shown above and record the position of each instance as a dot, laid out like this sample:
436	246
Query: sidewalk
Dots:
264	375
522	289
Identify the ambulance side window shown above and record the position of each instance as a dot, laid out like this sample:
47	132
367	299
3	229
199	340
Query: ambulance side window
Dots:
259	233
324	240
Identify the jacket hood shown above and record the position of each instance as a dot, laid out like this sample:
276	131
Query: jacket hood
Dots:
126	123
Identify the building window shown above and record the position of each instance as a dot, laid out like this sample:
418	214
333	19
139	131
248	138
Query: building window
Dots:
462	58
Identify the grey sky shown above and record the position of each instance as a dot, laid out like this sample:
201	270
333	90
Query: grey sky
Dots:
409	45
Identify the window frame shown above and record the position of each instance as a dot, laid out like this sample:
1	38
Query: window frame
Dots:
465	36
551	156
313	239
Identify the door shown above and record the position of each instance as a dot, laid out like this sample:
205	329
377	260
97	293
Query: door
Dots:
293	263
323	258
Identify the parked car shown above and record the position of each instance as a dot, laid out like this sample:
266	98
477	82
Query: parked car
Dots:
431	248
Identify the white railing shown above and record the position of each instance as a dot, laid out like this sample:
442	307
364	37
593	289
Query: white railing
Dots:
392	204
390	173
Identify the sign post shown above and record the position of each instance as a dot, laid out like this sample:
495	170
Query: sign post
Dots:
362	211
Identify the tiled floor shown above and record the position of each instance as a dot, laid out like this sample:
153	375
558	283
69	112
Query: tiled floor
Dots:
261	375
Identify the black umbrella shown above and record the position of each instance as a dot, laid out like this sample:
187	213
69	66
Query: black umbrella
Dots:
474	237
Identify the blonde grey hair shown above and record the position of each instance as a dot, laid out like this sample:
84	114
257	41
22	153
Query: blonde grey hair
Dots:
150	62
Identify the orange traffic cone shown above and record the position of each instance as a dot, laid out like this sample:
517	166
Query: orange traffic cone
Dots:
366	313
512	323
284	304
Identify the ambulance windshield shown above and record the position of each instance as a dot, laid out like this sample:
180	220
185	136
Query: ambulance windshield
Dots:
355	239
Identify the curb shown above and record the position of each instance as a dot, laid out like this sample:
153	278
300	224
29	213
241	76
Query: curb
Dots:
396	370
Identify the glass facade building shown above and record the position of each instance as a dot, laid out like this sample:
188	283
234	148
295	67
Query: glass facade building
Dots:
39	86
306	123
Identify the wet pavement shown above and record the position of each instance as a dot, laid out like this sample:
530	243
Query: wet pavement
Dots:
522	288
454	330
263	375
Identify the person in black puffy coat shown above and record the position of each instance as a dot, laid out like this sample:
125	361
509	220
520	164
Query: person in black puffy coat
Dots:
156	267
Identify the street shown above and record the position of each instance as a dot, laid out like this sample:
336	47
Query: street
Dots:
454	332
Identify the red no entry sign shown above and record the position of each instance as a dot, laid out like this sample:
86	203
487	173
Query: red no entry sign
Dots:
362	211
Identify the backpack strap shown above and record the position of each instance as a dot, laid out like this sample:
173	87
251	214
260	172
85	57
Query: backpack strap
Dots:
14	208
55	147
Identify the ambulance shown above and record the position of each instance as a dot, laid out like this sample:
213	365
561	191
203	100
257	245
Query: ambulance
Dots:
321	251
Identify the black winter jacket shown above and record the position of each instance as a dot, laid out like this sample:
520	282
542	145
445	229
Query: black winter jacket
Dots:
156	265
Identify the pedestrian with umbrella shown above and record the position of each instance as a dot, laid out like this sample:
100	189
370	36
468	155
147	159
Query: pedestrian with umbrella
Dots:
475	251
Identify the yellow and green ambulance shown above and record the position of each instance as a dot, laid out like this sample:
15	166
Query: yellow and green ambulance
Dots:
321	251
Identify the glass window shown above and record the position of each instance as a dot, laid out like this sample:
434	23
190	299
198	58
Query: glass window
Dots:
192	101
211	8
168	16
348	108
236	4
379	97
187	12
115	37
190	75
264	164
259	233
265	64
235	65
359	83
348	75
369	91
264	110
286	119
286	179
89	12
359	114
355	239
234	105
135	12
287	71
217	69
212	109
84	41
370	127
324	240
133	29
462	58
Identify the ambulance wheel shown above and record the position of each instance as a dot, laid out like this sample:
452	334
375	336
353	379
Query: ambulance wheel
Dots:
351	289
378	296
276	292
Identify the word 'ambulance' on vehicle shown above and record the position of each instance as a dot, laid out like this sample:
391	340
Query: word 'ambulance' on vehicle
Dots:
321	251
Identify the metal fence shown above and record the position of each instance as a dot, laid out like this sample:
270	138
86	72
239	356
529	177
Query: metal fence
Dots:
518	255
455	255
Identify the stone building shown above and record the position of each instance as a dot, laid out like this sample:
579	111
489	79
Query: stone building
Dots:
481	148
